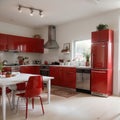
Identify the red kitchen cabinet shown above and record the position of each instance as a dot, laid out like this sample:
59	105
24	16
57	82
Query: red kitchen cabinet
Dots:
39	45
102	82
55	72
32	45
101	55
102	36
102	62
64	76
36	45
21	44
13	42
69	77
30	69
3	42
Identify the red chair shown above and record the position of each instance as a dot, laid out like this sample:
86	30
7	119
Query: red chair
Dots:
20	86
33	89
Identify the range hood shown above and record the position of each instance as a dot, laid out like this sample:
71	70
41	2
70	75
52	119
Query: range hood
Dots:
51	43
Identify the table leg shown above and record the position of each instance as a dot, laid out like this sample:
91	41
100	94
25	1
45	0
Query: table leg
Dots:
49	90
4	102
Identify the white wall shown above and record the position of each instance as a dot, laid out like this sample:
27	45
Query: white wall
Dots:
16	30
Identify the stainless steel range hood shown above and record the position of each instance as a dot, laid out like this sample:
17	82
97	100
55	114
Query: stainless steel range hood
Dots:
51	43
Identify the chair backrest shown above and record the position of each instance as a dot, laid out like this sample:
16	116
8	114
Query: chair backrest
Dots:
21	86
34	86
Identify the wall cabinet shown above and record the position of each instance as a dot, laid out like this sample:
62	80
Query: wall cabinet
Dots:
3	42
63	76
30	69
102	36
13	42
21	44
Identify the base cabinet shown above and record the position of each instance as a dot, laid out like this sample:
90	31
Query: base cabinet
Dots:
30	69
101	82
63	76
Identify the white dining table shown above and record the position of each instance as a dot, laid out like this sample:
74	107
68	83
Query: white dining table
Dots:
19	78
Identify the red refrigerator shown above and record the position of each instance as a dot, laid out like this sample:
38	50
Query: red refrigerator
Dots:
102	63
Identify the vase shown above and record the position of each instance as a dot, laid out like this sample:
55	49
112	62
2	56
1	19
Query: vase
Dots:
87	63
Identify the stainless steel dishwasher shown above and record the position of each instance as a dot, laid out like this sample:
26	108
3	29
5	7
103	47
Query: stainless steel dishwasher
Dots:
83	80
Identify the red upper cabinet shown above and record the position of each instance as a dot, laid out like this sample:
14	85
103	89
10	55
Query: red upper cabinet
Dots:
35	45
39	45
31	45
13	42
102	36
3	42
21	44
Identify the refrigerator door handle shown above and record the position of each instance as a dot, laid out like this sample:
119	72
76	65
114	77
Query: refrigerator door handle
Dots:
99	71
92	60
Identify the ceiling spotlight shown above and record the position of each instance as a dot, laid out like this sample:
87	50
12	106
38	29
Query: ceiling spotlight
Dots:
41	13
31	11
19	8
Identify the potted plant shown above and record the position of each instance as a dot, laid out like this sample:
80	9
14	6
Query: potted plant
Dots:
87	57
102	27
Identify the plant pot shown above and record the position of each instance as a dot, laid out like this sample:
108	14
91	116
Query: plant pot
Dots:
87	63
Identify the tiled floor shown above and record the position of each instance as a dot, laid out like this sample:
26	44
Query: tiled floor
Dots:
78	107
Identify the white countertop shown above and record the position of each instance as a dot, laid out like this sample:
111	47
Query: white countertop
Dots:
82	67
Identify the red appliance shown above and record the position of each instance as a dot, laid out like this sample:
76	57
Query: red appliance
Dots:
102	63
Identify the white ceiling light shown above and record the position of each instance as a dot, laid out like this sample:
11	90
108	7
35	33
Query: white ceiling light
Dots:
31	10
19	8
41	13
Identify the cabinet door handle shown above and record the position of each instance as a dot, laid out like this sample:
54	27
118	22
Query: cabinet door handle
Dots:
99	71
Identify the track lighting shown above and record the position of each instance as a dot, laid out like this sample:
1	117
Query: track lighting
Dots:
31	10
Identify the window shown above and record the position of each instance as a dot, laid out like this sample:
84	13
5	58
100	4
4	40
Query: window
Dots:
80	50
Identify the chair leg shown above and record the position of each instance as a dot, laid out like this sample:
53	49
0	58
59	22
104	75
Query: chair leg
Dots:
32	103
26	107
42	105
17	104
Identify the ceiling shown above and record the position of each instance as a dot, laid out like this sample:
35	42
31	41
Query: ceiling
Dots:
55	11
